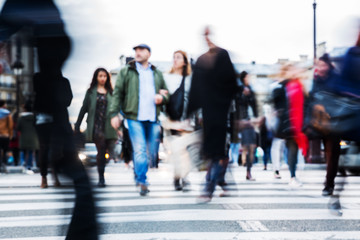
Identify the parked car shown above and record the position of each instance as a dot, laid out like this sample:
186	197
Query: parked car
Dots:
349	158
88	154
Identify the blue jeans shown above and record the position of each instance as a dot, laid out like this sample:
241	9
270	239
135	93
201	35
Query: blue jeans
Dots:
145	140
234	152
27	158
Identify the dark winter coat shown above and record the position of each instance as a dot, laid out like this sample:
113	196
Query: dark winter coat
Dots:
349	83
212	88
28	136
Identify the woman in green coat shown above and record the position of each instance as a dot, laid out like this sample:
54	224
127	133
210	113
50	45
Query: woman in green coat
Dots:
96	104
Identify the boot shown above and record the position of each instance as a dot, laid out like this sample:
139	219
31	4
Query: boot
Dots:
101	182
249	177
177	185
44	182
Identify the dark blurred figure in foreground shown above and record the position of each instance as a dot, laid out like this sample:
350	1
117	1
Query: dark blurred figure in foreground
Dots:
325	76
212	89
349	84
41	20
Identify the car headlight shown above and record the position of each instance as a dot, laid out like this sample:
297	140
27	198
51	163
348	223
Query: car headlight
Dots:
343	143
82	156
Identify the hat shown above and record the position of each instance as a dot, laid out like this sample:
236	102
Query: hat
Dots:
326	58
142	46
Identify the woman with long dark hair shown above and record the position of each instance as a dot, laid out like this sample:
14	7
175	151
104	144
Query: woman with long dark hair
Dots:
96	104
248	134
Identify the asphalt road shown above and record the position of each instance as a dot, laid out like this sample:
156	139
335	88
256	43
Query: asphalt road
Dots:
265	209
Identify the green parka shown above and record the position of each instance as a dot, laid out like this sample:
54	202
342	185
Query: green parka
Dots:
126	92
89	107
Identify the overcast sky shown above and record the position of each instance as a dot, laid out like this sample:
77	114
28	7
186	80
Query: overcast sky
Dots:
252	30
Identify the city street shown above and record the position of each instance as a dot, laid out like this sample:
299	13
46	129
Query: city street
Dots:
264	209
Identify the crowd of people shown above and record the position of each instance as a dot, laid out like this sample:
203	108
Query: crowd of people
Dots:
204	105
219	121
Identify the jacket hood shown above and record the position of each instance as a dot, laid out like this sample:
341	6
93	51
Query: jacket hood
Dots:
4	113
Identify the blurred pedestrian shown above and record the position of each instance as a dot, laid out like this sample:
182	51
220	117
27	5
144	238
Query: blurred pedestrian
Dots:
99	130
45	28
212	89
137	96
126	147
324	78
289	101
14	142
179	79
235	135
29	142
248	112
349	83
266	137
6	133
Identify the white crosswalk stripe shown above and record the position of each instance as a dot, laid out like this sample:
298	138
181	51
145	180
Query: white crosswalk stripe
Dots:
264	209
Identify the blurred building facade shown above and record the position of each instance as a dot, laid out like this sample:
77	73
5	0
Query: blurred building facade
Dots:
9	50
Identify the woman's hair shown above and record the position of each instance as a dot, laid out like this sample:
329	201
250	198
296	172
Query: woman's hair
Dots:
242	76
358	41
187	66
326	59
94	82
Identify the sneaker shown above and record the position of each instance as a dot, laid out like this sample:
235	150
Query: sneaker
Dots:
277	175
334	207
327	191
204	198
143	190
29	172
225	188
295	183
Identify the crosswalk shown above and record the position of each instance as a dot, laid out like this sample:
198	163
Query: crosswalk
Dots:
265	209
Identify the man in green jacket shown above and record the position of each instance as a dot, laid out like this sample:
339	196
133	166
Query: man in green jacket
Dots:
137	97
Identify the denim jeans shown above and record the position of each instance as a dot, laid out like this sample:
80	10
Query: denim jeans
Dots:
145	140
215	175
292	155
27	155
234	152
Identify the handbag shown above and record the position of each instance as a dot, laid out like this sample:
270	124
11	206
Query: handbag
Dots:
331	114
175	106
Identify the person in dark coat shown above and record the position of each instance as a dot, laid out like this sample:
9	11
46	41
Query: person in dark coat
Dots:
324	79
53	96
99	130
248	134
212	89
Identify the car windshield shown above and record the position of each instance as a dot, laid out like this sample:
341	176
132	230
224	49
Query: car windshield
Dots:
90	147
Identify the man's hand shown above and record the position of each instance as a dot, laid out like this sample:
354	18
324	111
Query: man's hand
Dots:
163	92
115	122
158	99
